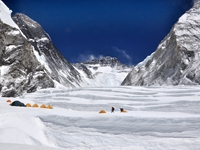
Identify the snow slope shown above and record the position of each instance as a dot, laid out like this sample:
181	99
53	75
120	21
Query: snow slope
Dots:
105	75
106	71
157	118
5	15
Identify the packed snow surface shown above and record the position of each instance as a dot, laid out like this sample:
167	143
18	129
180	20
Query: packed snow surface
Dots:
157	118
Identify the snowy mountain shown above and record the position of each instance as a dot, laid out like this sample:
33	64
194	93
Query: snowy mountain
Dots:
29	60
176	60
18	64
57	67
107	71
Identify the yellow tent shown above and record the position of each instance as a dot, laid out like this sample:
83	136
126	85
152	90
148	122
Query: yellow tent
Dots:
42	106
124	111
49	107
8	101
35	105
102	112
28	105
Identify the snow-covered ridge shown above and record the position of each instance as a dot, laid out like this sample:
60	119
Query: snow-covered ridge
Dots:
176	59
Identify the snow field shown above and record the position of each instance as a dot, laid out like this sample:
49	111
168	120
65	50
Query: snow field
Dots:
161	118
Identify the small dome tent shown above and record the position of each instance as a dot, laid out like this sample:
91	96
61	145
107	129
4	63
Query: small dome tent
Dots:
28	105
8	101
49	107
18	103
102	112
123	111
35	105
42	106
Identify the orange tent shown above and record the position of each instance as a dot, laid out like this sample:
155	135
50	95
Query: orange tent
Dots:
42	106
124	111
49	107
8	101
35	105
28	105
102	112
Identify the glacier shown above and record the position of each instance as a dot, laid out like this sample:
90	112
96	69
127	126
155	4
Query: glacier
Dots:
164	118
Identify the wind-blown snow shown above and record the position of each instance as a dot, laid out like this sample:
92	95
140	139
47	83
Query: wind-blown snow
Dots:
143	63
5	17
157	118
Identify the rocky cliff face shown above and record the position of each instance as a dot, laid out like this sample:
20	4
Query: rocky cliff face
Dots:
28	58
20	70
176	60
57	67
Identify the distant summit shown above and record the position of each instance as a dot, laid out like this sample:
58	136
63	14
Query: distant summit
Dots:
105	61
107	71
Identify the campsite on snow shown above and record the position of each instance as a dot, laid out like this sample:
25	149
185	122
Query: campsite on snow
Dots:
156	118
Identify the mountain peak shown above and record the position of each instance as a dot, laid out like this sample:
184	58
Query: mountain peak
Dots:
106	71
176	59
105	61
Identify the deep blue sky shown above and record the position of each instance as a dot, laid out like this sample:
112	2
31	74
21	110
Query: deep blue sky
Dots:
127	29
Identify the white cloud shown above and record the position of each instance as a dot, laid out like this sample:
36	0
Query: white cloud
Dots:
123	52
84	58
